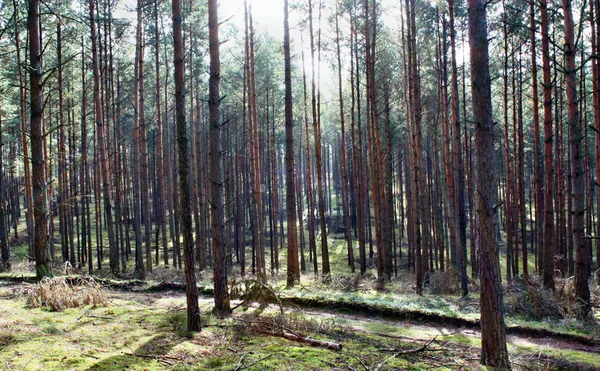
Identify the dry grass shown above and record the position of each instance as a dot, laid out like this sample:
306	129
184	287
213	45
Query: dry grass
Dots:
565	292
58	294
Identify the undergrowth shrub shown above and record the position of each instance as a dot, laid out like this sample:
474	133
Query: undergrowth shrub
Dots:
565	291
58	293
254	291
444	282
531	301
345	282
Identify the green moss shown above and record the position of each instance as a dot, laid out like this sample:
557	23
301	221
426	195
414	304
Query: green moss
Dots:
138	328
214	362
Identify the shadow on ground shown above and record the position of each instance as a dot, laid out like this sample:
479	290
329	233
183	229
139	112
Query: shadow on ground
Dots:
145	356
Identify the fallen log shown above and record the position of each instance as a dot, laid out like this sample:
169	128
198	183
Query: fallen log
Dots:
304	339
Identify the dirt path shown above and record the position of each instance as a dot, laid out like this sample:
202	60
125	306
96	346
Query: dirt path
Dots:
408	330
426	330
344	324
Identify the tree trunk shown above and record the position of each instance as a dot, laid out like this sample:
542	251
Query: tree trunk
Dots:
493	337
582	291
86	235
547	264
537	147
459	173
4	248
344	185
160	173
216	167
293	269
24	141
43	262
316	122
101	142
140	270
143	147
62	161
310	204
191	289
258	229
596	88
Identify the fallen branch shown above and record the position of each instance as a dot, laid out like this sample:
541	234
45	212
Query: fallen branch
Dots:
266	323
304	339
405	352
159	358
238	368
99	317
240	362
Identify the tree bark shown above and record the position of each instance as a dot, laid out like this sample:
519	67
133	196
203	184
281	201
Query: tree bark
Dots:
582	291
344	185
143	146
316	122
136	165
191	290
537	147
493	335
160	173
258	229
310	202
216	166
43	262
4	229
596	95
293	269
459	173
547	264
101	143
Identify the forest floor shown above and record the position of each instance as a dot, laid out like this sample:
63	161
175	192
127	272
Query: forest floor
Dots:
143	327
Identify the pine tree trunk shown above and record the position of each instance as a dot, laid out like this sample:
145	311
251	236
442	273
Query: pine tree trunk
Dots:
274	198
24	141
595	19
136	165
508	185
4	249
300	208
521	171
344	185
459	174
293	269
191	289
255	161
159	161
143	149
309	182
547	263
537	147
101	143
583	308
43	262
316	122
216	167
86	235
493	337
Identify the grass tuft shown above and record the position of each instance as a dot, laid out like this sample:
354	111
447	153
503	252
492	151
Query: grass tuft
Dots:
58	294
